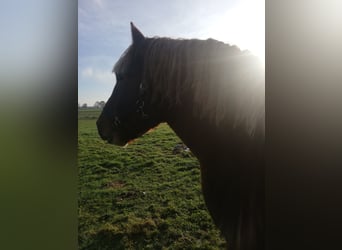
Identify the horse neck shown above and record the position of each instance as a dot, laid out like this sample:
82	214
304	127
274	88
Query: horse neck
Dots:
209	141
198	134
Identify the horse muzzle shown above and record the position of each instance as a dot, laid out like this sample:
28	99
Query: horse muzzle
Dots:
107	133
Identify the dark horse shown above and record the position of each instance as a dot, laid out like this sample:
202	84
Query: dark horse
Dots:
212	95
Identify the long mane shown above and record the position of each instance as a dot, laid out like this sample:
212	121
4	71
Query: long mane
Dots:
223	82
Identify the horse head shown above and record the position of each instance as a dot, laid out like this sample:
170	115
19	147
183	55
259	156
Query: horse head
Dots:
128	112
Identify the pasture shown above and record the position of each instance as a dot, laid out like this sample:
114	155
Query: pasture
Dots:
144	196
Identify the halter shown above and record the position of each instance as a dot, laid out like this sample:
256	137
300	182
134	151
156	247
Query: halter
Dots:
140	102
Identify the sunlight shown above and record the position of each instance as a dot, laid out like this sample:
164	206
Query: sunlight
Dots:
243	25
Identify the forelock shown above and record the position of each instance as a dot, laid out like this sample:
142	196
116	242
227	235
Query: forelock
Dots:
123	63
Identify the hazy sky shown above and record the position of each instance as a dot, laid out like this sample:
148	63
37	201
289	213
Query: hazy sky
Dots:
104	32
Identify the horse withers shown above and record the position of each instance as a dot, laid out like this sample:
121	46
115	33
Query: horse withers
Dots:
212	95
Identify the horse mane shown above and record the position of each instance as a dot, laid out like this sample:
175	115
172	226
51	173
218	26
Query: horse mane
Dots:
223	82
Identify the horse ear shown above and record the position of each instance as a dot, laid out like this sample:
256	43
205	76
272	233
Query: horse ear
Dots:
137	36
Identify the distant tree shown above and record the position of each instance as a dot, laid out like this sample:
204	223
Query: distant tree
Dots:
100	104
84	105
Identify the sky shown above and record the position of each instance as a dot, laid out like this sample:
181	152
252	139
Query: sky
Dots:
104	32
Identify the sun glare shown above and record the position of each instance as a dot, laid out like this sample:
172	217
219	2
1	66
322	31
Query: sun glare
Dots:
244	26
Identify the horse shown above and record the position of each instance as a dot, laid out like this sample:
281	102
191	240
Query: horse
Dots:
212	95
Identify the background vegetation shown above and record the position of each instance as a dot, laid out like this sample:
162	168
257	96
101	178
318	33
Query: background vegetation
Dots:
144	196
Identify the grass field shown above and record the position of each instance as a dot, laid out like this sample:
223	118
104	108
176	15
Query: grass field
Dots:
140	197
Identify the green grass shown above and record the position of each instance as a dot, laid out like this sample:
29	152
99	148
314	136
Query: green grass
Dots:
142	196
